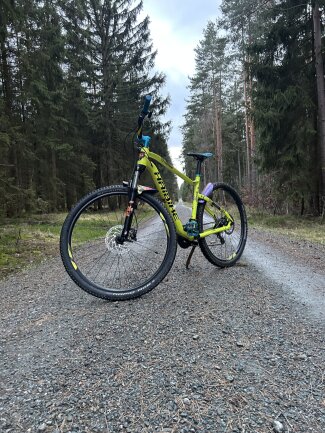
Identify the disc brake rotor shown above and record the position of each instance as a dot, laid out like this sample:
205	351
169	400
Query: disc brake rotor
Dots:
110	241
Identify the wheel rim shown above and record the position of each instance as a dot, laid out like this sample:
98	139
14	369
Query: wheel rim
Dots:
107	265
225	246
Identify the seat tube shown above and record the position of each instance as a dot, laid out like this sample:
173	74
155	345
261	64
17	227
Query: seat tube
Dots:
196	195
198	167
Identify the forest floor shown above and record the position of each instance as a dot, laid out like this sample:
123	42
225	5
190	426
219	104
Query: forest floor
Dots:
237	350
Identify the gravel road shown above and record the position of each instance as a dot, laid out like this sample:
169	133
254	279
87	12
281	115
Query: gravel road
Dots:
209	350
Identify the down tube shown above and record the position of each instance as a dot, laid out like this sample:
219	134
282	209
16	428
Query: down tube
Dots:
161	187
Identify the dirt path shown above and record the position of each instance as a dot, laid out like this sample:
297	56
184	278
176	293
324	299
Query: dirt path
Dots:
297	266
234	351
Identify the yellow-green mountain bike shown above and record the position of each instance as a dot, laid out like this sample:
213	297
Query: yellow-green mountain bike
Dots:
120	241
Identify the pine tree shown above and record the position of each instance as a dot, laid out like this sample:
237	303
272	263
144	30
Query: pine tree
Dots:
71	93
285	106
317	22
212	111
245	21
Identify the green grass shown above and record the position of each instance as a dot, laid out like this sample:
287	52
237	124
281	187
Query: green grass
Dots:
307	228
91	227
30	240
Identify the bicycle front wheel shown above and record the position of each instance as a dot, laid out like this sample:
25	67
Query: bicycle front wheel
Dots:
105	268
225	248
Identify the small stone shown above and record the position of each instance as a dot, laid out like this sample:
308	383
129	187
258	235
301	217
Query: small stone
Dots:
42	427
301	357
195	337
220	411
69	418
240	343
230	378
277	426
186	401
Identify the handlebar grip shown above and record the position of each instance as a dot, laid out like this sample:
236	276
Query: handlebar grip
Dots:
145	109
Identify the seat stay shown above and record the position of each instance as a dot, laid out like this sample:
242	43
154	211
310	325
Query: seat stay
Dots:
216	230
214	204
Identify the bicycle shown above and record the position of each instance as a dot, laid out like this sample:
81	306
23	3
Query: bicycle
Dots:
120	241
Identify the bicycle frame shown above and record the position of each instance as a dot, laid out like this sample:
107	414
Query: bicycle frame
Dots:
145	160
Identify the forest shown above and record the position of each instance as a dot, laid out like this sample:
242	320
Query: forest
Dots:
73	74
257	101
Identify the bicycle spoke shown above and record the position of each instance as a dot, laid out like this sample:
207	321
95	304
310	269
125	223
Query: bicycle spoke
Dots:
225	248
101	260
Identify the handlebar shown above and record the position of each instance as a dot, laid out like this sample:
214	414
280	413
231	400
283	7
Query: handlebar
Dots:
147	101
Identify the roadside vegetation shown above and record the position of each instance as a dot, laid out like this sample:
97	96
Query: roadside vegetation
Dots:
30	240
305	228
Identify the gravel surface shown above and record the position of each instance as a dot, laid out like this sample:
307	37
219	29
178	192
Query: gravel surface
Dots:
297	266
208	350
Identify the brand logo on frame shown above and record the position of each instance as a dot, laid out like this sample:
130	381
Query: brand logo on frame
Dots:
165	194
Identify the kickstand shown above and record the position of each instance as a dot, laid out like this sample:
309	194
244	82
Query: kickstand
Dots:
189	257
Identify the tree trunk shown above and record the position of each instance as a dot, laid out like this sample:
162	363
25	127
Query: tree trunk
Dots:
219	143
54	181
239	170
247	133
6	79
253	171
320	97
217	136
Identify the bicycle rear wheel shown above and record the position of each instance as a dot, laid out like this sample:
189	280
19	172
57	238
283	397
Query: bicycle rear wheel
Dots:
223	249
103	267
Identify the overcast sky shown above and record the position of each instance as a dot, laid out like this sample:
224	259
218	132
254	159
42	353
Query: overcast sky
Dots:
176	29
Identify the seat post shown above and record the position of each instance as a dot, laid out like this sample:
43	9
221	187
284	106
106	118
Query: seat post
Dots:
198	166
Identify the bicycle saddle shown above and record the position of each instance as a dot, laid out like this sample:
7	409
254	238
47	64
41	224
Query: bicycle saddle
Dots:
200	156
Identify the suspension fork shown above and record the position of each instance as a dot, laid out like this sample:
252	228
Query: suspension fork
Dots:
133	192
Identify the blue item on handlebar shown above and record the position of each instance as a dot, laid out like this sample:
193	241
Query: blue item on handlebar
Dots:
145	140
147	100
